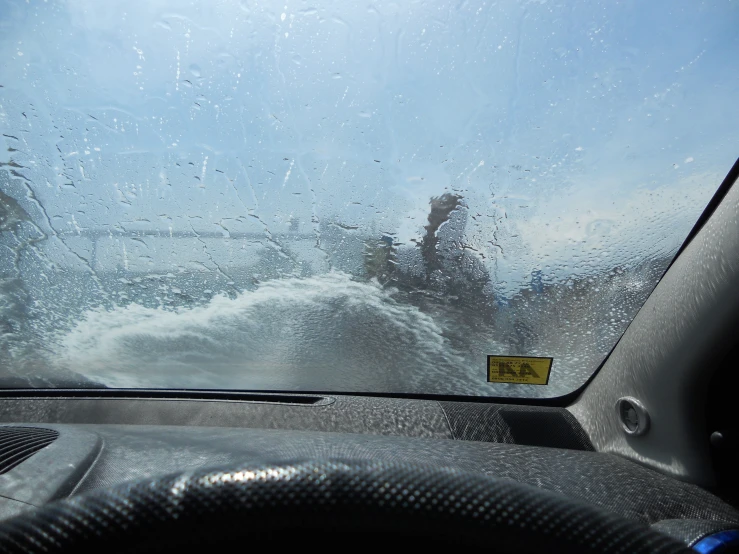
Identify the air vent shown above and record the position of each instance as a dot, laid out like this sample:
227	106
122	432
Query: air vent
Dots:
20	443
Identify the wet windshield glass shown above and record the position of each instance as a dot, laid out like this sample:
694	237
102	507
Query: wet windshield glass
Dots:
342	196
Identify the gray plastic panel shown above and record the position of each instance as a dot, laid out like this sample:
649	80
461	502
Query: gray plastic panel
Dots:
10	508
531	425
347	414
53	471
669	352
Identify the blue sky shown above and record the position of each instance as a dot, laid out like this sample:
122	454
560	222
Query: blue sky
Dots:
584	134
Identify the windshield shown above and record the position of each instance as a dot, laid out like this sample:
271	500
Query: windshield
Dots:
460	198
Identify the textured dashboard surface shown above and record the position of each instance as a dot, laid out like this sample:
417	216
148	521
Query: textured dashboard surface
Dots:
606	480
53	471
472	421
345	414
690	531
532	425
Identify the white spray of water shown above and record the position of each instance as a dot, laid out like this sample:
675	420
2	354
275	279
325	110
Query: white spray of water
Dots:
327	332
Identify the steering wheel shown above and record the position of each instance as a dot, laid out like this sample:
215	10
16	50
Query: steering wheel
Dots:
327	504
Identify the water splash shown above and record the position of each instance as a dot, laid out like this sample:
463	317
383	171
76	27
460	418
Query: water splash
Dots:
328	331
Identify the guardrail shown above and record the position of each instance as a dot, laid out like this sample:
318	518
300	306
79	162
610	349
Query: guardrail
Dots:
96	235
99	233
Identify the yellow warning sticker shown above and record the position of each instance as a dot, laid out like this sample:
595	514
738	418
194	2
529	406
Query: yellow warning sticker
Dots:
521	370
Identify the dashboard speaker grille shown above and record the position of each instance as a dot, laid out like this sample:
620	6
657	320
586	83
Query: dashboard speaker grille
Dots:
20	443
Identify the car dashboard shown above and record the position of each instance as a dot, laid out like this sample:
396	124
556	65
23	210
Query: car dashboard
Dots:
61	444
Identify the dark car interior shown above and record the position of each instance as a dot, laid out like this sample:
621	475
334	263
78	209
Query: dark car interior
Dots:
385	275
